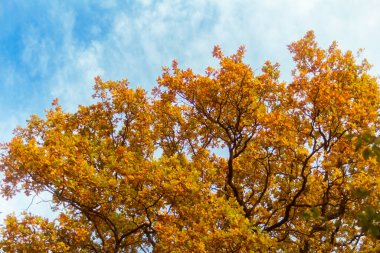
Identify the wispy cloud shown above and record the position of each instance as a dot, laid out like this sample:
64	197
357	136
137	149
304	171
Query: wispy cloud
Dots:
135	40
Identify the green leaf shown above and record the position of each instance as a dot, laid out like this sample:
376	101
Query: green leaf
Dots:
305	215
366	153
315	212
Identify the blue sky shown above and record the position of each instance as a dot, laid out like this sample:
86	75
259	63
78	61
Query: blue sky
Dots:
52	49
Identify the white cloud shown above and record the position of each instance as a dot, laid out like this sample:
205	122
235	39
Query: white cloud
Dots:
38	204
108	3
72	83
7	125
36	52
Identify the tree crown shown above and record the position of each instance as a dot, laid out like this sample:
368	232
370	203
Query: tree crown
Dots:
131	173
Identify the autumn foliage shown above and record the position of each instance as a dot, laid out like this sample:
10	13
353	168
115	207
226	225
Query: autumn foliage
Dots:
227	161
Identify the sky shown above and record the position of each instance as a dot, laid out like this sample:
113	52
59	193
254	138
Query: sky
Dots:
54	49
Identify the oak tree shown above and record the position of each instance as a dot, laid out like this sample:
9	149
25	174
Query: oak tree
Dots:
226	161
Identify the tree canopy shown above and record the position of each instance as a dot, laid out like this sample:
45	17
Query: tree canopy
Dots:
226	161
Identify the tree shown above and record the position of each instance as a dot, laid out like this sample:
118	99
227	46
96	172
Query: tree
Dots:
228	161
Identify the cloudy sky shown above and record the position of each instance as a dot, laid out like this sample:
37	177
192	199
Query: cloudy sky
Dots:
52	49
